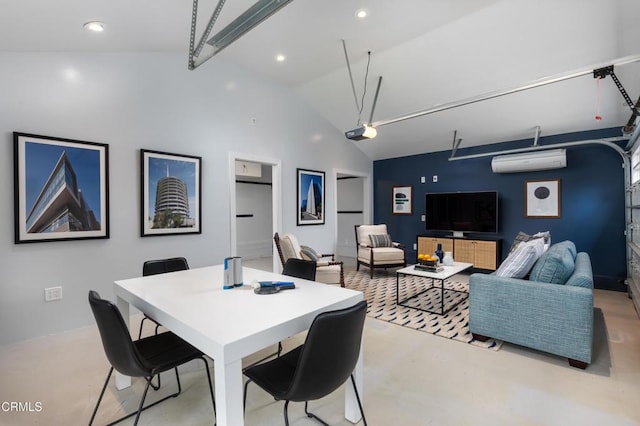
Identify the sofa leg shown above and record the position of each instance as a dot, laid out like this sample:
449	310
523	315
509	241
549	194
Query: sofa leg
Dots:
479	337
371	272
577	364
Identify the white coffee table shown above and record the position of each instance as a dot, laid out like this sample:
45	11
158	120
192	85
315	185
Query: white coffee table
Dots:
446	272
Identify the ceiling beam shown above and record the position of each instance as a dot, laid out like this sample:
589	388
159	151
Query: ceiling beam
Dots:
490	95
244	23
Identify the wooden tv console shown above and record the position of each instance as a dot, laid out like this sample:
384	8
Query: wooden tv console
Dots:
483	253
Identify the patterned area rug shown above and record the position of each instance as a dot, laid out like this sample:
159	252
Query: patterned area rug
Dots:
380	293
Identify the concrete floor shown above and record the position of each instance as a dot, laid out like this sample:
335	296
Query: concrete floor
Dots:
410	378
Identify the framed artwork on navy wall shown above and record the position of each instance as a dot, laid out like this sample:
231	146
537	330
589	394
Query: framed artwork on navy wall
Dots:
310	197
402	199
171	193
542	198
61	189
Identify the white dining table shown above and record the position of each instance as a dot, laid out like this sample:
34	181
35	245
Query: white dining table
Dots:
228	325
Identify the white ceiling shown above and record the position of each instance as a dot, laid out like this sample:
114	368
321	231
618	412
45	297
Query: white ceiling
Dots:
428	53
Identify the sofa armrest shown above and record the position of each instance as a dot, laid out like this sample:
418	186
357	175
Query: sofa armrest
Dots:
550	317
397	245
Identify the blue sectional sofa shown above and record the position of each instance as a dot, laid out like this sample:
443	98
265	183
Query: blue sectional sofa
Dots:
552	311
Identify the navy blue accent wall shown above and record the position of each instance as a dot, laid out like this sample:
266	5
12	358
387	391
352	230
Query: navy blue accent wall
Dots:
592	197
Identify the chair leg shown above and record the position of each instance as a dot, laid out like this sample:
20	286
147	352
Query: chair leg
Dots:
213	399
141	326
95	410
144	395
309	414
244	395
286	414
355	389
156	387
140	406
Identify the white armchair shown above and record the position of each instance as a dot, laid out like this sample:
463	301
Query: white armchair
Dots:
327	271
376	250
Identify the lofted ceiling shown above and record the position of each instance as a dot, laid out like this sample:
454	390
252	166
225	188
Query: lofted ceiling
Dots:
428	52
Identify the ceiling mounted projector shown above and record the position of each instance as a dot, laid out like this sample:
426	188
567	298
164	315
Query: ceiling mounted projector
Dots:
361	133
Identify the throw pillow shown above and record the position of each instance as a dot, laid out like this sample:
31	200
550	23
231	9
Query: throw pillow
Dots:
308	253
556	265
519	263
521	237
380	240
524	237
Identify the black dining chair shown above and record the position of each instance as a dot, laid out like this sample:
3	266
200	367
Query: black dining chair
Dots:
300	268
146	357
161	266
318	367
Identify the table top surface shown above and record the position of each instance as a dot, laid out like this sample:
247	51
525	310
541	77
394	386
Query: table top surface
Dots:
236	322
447	271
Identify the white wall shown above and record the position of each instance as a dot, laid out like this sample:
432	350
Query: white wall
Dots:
133	101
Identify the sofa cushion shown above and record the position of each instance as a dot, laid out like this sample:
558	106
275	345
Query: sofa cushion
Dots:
380	240
381	255
290	247
556	265
365	230
582	275
521	260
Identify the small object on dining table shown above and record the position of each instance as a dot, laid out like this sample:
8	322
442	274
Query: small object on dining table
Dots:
282	285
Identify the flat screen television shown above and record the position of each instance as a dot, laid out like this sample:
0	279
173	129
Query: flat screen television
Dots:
462	212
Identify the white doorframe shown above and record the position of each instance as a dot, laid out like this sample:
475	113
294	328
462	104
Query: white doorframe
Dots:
367	191
276	198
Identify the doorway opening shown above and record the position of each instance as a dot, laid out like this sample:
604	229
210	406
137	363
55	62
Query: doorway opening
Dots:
255	209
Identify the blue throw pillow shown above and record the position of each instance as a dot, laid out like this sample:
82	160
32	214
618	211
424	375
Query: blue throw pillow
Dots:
556	265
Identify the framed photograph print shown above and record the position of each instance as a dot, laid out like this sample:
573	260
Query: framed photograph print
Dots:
61	189
171	193
402	200
542	198
310	188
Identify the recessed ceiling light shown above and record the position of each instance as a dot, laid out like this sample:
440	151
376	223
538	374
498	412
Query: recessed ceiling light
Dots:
96	26
362	13
280	58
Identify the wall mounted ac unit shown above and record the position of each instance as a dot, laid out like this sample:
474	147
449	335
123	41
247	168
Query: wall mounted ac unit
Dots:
530	161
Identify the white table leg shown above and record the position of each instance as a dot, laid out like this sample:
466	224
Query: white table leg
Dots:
123	381
229	390
351	409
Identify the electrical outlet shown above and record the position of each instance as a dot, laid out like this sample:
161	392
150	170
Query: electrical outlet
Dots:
423	218
435	178
415	246
52	293
423	179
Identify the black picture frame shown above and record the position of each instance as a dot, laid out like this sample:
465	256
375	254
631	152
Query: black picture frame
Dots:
61	189
178	211
310	183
